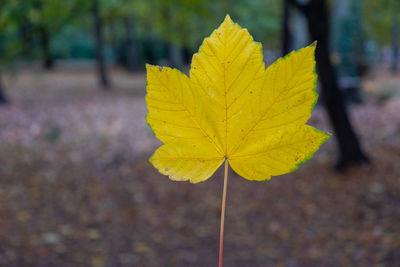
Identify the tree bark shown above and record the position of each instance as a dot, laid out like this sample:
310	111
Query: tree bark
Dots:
47	58
351	153
98	34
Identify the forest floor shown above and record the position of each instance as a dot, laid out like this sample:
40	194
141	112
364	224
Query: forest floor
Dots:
76	188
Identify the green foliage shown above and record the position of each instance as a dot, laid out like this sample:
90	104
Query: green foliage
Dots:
182	21
22	22
378	16
9	46
261	17
179	22
159	22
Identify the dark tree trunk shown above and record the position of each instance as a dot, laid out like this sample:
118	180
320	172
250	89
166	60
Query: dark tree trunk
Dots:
395	42
131	46
3	98
98	34
47	59
317	15
286	33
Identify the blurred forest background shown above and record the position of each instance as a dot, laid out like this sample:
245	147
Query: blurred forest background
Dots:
76	188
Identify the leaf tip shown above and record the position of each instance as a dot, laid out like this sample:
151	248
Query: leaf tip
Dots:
314	44
228	18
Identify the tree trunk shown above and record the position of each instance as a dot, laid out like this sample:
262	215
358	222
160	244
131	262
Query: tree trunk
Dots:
131	46
47	59
286	33
350	150
98	34
3	99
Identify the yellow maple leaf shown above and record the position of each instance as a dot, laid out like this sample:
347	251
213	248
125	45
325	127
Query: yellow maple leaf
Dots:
232	108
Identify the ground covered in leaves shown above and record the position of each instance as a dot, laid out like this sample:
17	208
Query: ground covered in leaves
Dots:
76	188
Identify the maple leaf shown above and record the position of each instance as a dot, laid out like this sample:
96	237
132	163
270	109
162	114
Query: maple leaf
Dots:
232	108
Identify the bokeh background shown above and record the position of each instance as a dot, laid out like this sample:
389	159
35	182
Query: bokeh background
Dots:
76	188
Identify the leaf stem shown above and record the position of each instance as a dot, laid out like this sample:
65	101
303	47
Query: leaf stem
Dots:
221	236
